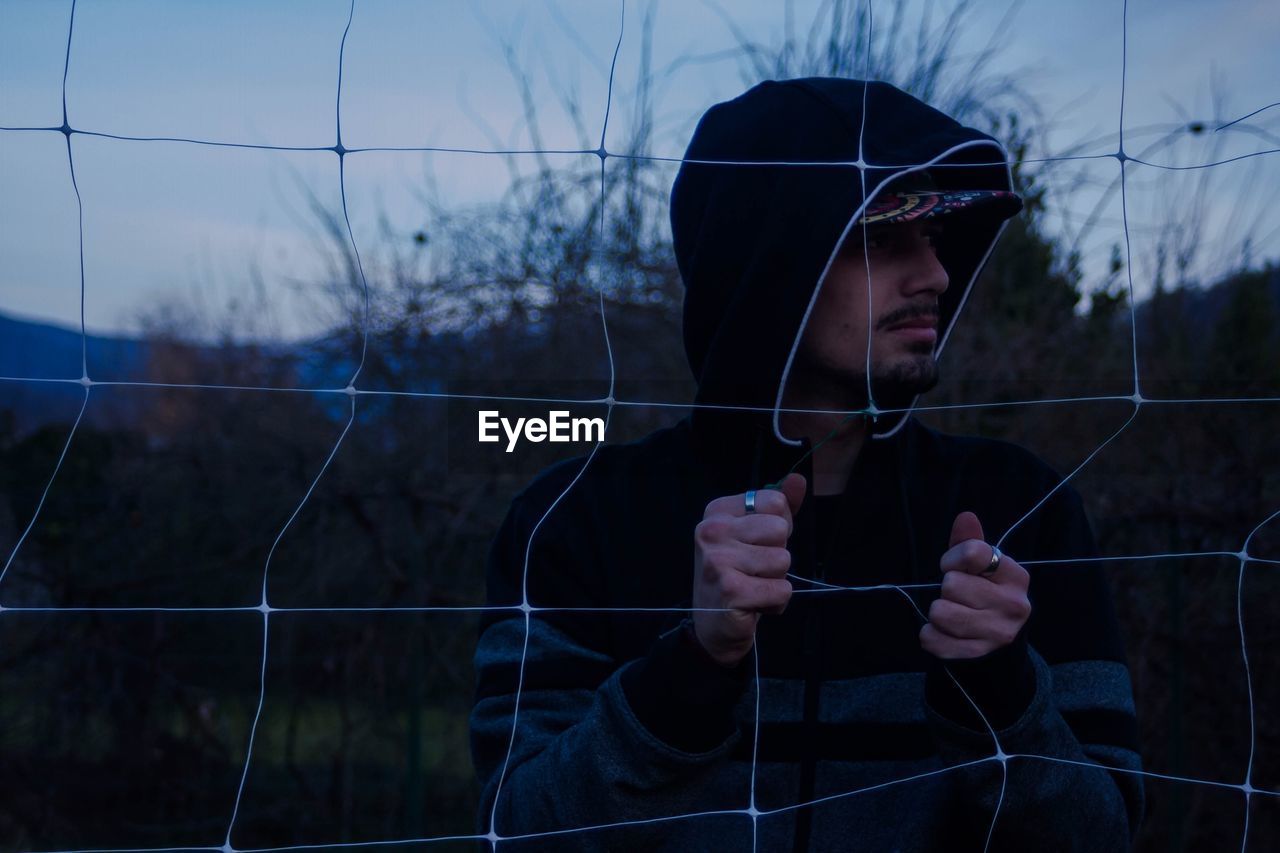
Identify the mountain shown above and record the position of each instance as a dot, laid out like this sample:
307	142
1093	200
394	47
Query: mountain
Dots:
44	351
31	350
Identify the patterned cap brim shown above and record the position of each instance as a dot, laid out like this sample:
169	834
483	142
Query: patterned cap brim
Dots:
890	208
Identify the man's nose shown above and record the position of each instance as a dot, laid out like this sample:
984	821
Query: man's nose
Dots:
927	274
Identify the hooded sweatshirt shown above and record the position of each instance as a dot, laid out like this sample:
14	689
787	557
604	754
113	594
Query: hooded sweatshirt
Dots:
600	724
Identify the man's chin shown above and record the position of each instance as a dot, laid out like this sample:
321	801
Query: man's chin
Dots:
893	386
897	387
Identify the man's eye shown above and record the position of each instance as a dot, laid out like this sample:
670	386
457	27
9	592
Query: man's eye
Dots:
857	246
871	240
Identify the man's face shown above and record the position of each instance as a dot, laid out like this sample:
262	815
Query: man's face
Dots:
906	280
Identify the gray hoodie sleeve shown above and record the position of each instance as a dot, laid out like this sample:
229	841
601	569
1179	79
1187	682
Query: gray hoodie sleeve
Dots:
581	755
1068	729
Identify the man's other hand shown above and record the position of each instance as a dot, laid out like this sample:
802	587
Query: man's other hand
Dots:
740	565
977	612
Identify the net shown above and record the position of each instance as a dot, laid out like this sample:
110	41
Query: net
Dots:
352	396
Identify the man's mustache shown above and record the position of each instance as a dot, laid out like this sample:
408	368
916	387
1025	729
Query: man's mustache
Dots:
910	312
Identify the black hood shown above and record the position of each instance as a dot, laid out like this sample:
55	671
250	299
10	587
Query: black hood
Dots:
754	234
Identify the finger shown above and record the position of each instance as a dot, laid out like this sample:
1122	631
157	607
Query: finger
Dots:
966	526
768	502
963	623
761	561
970	590
969	555
760	529
944	647
793	487
758	594
721	563
1010	573
1000	604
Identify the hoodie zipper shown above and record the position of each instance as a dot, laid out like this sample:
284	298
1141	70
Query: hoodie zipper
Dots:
811	643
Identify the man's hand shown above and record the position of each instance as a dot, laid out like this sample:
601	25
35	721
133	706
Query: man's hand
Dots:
976	613
740	562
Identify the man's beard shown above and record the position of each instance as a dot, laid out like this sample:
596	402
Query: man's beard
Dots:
897	386
892	387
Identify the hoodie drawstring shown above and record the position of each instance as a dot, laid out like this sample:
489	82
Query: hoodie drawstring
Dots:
902	457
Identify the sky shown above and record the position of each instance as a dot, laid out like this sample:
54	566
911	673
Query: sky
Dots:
180	224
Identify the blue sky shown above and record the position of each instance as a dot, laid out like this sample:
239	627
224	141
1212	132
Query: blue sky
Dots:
189	225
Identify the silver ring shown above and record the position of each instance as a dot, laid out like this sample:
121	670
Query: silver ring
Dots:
751	501
995	562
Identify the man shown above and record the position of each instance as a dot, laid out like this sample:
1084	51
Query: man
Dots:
856	654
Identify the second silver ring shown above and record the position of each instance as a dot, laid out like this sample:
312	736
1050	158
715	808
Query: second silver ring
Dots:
995	562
